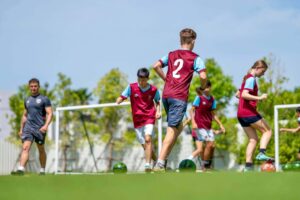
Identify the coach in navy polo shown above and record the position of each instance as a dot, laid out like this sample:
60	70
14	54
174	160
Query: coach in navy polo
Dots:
34	124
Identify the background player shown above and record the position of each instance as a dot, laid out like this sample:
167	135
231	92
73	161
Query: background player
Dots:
294	130
144	112
34	124
202	114
181	65
249	117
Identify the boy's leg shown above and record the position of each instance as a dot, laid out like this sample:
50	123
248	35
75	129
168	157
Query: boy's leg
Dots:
175	112
208	153
198	151
148	148
168	143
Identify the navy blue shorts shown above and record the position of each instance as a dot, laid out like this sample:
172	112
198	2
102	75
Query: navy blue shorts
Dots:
30	134
247	121
175	110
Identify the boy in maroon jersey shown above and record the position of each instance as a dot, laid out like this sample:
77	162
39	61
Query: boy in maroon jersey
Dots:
181	65
202	115
249	117
144	111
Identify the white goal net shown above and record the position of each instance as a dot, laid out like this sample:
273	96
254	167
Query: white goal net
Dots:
278	117
92	138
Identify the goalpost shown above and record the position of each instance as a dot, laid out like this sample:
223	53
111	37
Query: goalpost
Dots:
84	107
276	130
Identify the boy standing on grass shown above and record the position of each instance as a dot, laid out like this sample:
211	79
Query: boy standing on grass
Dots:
182	64
145	107
202	114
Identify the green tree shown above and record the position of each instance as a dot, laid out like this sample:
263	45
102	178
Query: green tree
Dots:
75	126
108	89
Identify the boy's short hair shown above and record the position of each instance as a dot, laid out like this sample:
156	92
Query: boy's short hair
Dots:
187	35
298	109
143	73
208	84
34	80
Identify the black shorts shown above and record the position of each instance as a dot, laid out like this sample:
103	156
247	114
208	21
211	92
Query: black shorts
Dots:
31	134
247	121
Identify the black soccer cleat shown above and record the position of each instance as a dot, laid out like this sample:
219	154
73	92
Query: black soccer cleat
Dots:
17	173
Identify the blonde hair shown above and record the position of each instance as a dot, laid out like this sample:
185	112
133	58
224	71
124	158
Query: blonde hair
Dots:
259	63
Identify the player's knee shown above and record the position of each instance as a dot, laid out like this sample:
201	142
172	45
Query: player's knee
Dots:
268	132
210	145
26	148
253	141
148	141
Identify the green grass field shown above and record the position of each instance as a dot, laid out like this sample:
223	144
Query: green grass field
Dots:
169	186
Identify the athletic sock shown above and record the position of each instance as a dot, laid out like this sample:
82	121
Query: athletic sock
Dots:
207	163
262	151
161	162
21	168
42	170
191	157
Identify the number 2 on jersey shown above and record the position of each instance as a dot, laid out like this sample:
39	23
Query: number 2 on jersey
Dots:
179	64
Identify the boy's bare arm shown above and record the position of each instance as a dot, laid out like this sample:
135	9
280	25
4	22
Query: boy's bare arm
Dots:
158	69
215	117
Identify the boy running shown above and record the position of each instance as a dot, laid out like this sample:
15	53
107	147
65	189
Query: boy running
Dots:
144	112
181	65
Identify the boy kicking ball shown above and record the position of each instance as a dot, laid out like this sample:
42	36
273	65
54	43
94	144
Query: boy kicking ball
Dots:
145	107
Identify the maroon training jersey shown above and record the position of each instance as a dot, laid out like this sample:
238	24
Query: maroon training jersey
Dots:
142	105
181	66
247	108
203	112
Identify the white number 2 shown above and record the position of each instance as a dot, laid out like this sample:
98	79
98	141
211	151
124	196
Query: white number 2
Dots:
179	64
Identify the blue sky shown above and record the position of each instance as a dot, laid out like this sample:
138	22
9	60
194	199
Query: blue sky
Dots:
84	39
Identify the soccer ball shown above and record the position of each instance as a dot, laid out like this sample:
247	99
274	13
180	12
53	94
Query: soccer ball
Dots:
267	167
119	168
294	166
187	166
287	167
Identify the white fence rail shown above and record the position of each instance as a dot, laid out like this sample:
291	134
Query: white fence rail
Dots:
9	154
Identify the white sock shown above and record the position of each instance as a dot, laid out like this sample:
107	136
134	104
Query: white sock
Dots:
191	157
162	162
147	165
21	168
42	170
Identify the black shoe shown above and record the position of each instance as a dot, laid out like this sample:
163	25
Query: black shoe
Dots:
17	173
42	173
